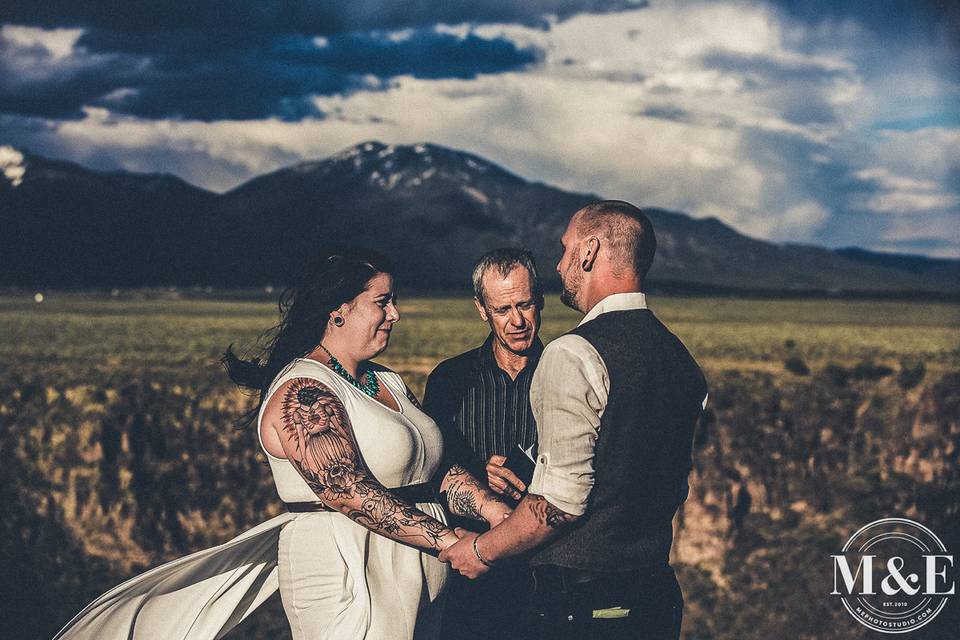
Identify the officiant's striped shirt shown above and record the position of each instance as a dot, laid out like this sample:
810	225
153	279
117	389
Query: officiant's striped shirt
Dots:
476	403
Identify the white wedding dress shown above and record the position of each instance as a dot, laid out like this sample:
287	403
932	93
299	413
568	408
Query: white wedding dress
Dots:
337	579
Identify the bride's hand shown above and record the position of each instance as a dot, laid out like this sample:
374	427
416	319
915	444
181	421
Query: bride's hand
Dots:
451	538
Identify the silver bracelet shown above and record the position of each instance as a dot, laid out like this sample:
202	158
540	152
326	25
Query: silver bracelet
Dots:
476	552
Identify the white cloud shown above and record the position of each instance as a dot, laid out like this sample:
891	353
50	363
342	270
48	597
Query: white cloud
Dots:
929	153
888	180
800	221
717	108
915	177
899	202
11	163
59	43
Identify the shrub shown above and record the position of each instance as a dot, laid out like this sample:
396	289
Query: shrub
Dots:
911	373
869	370
836	374
795	364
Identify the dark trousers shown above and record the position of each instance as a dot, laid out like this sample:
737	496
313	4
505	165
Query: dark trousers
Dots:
635	605
492	606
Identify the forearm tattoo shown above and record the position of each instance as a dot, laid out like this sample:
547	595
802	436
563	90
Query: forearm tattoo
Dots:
323	450
466	496
548	514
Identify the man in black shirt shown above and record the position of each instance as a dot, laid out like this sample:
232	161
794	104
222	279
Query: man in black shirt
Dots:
481	402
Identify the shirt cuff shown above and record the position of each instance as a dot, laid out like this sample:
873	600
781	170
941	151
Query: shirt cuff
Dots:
559	489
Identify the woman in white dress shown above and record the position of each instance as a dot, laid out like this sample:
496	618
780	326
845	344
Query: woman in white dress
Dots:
355	460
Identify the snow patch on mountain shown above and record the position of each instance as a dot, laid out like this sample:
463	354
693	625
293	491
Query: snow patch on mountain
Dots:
476	194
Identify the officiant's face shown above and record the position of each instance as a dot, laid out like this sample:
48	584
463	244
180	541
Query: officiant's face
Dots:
510	308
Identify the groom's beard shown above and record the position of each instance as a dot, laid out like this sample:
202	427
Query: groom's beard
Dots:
571	286
567	297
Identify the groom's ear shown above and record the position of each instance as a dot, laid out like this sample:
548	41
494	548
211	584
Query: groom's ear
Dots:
482	309
589	257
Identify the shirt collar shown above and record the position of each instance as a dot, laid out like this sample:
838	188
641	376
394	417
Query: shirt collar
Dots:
487	359
616	302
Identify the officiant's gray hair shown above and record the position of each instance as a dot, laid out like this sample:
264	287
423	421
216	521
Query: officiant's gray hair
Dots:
505	260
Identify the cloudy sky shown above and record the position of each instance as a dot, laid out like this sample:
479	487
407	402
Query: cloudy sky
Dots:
820	121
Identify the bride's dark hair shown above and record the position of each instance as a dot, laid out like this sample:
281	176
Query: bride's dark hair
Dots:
333	278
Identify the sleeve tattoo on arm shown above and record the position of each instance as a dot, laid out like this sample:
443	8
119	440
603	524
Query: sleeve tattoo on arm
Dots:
324	452
548	514
465	495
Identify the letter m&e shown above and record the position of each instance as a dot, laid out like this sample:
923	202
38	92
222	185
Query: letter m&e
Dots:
842	567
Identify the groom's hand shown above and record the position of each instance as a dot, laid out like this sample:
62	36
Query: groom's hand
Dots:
461	556
502	480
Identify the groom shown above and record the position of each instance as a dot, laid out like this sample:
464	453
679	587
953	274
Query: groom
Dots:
615	401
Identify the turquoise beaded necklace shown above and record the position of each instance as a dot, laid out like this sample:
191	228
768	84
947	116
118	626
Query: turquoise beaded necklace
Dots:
371	388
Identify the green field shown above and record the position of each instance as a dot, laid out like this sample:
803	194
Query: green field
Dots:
71	332
119	452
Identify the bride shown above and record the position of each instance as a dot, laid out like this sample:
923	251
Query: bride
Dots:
358	465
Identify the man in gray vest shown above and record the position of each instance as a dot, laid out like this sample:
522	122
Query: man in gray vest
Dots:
616	401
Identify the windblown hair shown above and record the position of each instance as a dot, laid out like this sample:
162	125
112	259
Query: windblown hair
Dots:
627	231
332	279
505	260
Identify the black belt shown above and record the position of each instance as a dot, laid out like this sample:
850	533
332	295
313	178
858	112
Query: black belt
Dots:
306	507
412	493
551	578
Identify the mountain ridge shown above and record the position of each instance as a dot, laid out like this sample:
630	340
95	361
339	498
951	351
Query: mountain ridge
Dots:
433	208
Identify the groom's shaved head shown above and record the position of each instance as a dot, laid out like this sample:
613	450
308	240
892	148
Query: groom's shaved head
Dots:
624	230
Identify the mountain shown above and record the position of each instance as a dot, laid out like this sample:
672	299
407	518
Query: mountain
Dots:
932	268
434	209
64	225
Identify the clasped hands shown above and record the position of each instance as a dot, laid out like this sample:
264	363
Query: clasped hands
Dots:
465	554
461	556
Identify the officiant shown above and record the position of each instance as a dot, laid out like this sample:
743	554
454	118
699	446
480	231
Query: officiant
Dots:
481	402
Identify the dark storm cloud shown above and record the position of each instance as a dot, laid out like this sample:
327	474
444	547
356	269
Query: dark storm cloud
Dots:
317	17
425	54
219	74
32	82
896	18
238	59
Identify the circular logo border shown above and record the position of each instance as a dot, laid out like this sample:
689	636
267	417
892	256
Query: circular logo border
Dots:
846	547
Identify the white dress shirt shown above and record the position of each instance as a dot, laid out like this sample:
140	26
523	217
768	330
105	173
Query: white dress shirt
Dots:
568	395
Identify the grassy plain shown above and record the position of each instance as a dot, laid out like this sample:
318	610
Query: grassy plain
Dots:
118	451
71	332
